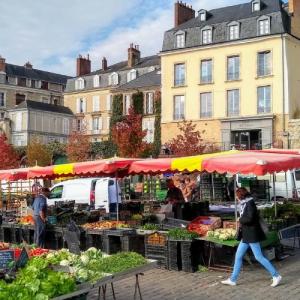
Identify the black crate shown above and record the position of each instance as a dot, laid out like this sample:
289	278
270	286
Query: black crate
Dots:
135	243
174	255
159	253
111	244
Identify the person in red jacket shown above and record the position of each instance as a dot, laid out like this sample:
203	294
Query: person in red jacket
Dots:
250	234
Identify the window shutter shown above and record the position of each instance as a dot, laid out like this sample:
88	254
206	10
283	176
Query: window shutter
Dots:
109	79
108	122
91	124
84	105
96	106
100	123
108	103
78	105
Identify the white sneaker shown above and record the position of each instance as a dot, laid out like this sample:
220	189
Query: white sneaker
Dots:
276	280
228	282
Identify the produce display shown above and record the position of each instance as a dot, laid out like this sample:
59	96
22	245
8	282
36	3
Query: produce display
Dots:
181	234
201	225
27	220
222	234
105	225
150	227
4	246
43	278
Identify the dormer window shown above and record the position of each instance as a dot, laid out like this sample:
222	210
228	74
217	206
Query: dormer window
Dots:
79	84
131	75
256	5
203	15
180	39
206	35
233	31
113	79
263	24
96	80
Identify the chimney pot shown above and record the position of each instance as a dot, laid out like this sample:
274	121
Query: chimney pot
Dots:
134	55
2	64
83	66
28	65
183	13
104	64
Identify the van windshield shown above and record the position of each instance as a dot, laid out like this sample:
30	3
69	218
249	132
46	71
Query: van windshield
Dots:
297	175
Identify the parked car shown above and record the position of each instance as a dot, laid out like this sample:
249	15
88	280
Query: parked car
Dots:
96	192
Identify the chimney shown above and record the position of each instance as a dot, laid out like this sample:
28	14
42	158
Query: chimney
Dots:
83	65
183	13
134	55
294	10
28	65
2	64
104	64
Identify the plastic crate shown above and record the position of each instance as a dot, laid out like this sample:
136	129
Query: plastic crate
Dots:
111	244
159	253
174	255
135	243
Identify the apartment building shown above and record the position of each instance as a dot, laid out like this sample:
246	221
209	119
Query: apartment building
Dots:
233	72
25	88
89	95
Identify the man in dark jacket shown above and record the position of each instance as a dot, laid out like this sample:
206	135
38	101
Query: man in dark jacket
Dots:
250	234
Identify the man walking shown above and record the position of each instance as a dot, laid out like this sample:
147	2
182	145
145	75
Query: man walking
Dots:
39	213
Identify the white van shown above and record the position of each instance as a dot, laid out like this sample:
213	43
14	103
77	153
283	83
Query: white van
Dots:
96	192
286	186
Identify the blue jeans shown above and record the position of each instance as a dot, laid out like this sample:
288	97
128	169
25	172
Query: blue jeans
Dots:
256	249
39	232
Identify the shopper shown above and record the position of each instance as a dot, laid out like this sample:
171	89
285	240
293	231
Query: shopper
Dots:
175	197
39	213
250	234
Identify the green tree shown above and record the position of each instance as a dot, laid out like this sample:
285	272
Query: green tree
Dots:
157	127
104	149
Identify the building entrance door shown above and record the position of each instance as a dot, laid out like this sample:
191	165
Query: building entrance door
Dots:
246	140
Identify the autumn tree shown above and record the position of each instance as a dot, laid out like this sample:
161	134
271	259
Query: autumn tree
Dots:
78	147
38	154
188	141
129	136
8	157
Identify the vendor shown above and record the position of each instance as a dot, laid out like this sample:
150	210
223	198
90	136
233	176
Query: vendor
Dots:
39	213
188	189
175	197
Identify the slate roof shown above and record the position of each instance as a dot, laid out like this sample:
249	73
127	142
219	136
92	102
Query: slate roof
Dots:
221	17
35	105
35	74
121	68
150	79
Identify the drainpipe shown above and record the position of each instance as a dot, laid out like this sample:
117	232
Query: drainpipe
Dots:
283	81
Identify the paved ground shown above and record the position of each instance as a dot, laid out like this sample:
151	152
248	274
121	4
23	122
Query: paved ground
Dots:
161	284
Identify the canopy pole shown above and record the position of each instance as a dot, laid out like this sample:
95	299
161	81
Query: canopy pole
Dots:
235	202
274	195
286	187
117	193
213	187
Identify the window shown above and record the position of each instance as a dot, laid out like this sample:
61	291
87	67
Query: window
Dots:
206	105
178	108
264	99
207	36
38	84
96	126
233	68
12	80
56	193
20	98
234	32
113	79
179	74
28	82
206	71
264	26
180	40
149	109
109	101
79	84
45	100
2	99
66	126
264	63
233	103
44	85
127	104
108	122
96	80
96	103
131	75
79	124
81	106
148	124
19	121
203	16
255	6
21	81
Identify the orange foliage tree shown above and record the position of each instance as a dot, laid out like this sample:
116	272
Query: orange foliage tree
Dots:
38	154
78	147
188	141
8	157
129	136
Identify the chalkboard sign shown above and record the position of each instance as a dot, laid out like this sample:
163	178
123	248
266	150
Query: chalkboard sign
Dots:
72	241
23	259
6	257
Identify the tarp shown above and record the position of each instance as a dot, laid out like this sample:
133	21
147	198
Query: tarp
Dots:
249	162
14	174
164	165
105	167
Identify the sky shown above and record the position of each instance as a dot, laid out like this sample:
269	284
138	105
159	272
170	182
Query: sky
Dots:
51	33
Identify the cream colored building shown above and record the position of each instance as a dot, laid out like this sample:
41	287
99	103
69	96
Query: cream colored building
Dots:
233	71
90	94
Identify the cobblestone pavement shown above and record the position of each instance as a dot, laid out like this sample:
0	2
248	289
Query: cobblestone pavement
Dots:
254	283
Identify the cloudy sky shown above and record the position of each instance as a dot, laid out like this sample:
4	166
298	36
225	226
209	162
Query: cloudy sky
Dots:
51	33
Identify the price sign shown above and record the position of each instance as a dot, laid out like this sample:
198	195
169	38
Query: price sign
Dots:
23	259
6	257
72	241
